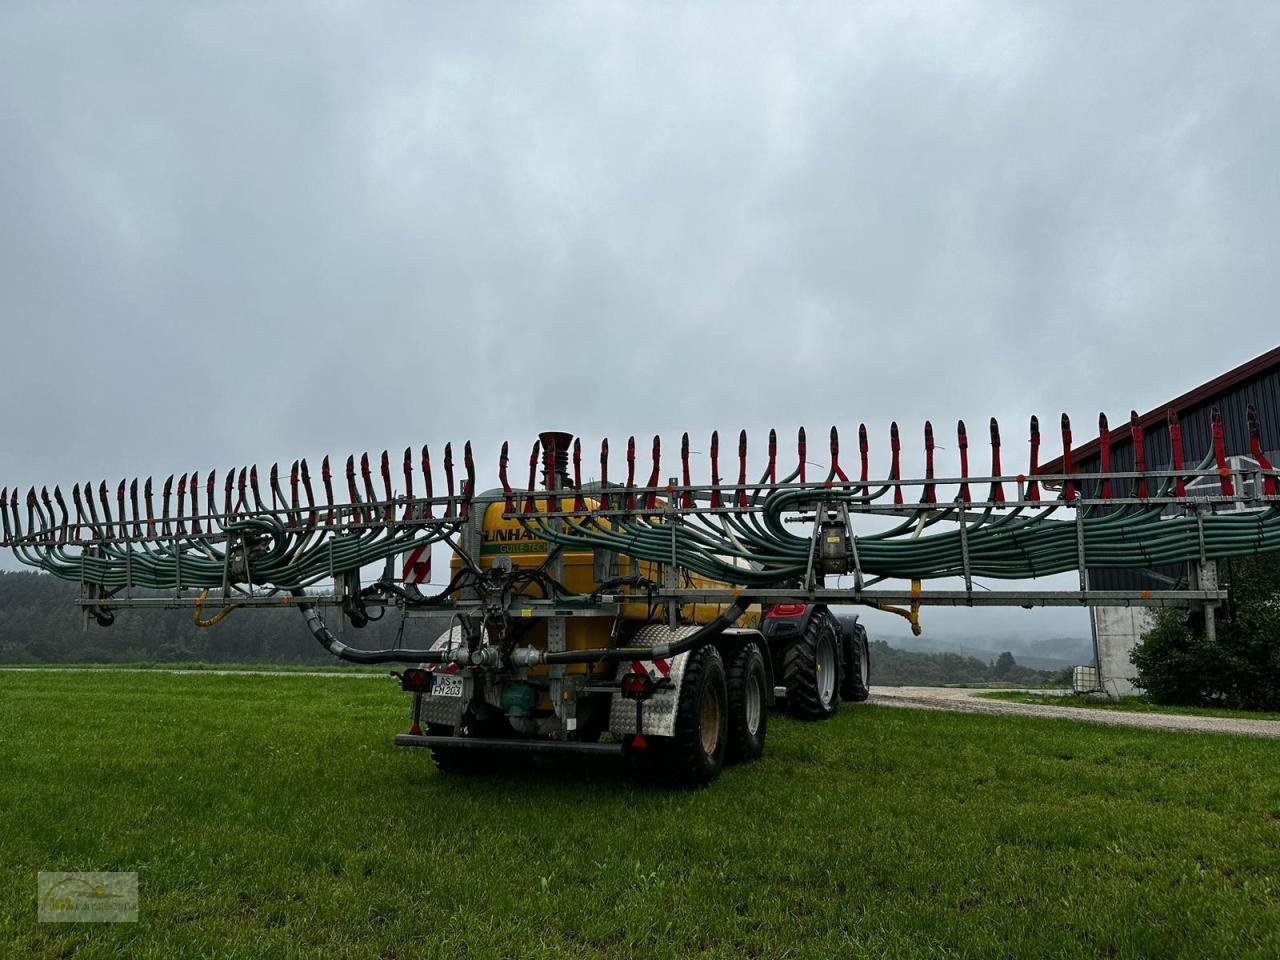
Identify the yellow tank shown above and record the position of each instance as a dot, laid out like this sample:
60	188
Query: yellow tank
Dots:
509	538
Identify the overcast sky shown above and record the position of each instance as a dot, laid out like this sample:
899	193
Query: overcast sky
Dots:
247	233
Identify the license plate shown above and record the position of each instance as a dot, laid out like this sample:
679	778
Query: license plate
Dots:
446	685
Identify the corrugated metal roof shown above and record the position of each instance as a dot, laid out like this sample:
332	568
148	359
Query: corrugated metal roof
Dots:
1226	386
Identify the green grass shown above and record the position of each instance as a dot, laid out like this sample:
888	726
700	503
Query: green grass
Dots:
1127	704
200	665
272	817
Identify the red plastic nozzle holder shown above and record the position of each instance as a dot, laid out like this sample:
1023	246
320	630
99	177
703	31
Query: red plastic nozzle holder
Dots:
533	475
182	500
864	449
930	494
427	487
801	453
773	457
503	458
1220	455
742	469
686	498
715	468
579	505
962	441
1139	454
652	500
326	477
895	457
1175	450
448	478
604	474
1255	448
1033	488
469	488
388	511
194	483
1068	487
997	488
1104	454
631	472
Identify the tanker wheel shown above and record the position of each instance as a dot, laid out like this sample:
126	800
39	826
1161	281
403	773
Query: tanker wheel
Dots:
811	670
748	710
695	754
855	684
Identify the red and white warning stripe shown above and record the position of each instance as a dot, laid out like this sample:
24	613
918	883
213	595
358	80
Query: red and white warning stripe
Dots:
417	565
656	669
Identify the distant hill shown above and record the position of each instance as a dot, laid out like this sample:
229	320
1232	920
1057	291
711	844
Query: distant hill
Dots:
1054	653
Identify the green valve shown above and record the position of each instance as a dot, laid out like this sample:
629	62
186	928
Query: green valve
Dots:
518	698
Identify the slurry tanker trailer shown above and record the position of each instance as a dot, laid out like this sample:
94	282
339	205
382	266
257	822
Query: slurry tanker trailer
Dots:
658	620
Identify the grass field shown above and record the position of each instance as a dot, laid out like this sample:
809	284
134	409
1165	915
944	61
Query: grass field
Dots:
1126	704
271	817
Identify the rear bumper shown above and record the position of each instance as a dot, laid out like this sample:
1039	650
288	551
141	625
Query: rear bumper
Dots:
521	746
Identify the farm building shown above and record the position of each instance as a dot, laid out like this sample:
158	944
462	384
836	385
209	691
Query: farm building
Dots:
1256	383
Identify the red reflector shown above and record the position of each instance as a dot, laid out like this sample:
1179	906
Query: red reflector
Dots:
786	610
638	742
415	679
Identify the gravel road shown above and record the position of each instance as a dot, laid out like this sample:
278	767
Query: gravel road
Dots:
962	700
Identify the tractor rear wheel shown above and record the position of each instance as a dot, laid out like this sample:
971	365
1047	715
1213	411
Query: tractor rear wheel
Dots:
748	705
811	669
855	684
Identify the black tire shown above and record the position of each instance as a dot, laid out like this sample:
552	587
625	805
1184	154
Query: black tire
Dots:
855	683
683	760
808	663
747	682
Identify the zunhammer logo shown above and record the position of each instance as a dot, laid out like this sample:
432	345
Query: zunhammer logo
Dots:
510	540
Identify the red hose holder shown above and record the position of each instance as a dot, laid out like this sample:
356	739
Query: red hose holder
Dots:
863	450
930	494
686	499
1175	449
742	469
715	469
773	458
1033	488
1104	453
182	502
801	450
408	481
448	478
533	475
1068	487
962	441
1255	448
652	500
835	470
306	486
388	512
503	457
604	474
427	486
895	447
549	471
294	502
579	505
326	477
997	488
352	492
631	473
1139	453
195	505
1220	454
469	487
